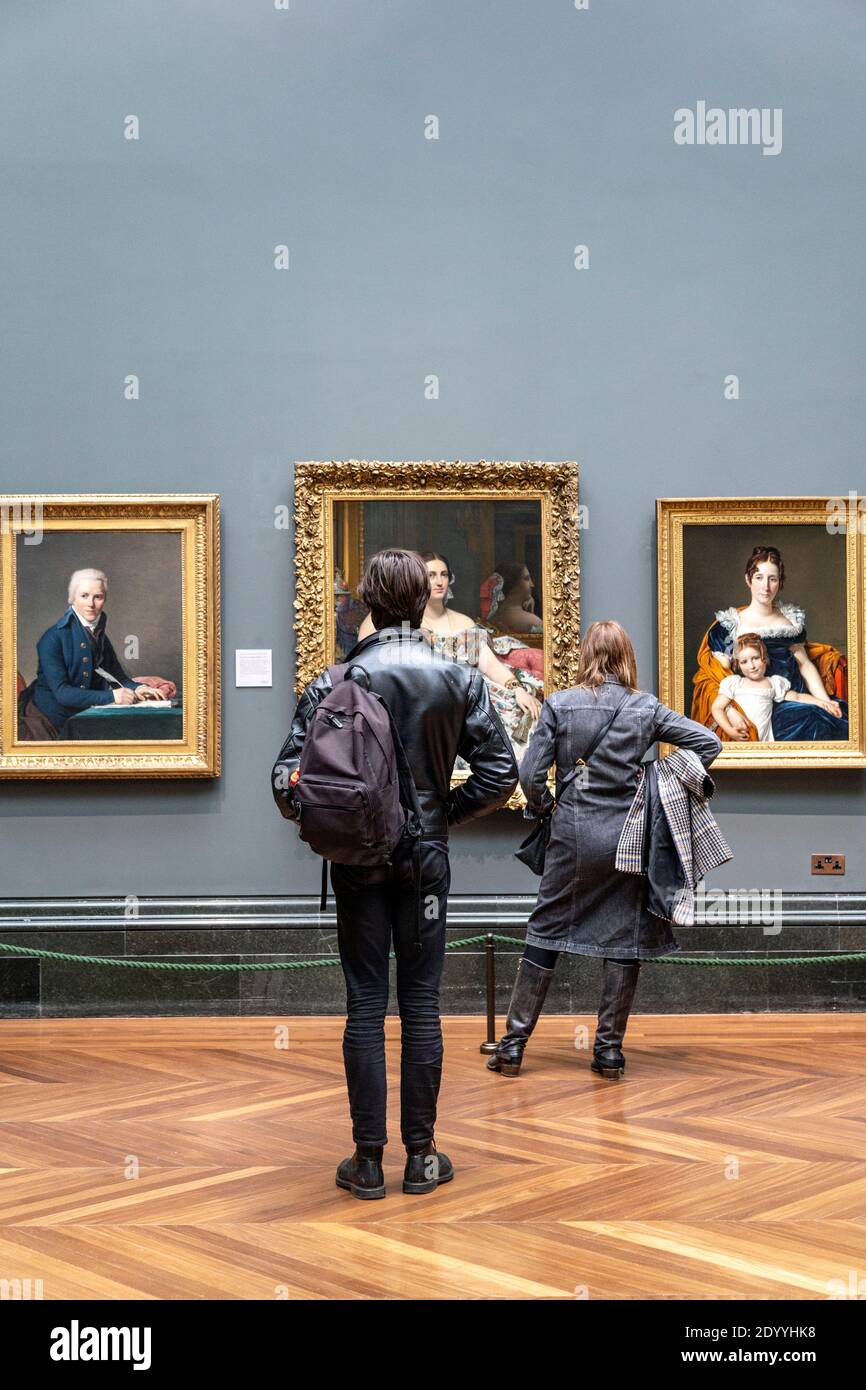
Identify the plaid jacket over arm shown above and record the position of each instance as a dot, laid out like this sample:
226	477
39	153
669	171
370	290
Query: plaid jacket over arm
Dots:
684	790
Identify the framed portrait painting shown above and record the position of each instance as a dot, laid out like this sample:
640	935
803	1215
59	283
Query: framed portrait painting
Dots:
500	540
109	636
761	626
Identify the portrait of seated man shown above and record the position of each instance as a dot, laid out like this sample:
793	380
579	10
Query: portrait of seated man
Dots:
78	667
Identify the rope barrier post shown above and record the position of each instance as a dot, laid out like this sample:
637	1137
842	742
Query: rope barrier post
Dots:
490	979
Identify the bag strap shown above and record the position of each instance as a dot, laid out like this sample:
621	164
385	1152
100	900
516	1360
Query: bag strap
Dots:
335	673
581	762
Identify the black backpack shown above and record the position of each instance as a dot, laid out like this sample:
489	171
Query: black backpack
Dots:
355	796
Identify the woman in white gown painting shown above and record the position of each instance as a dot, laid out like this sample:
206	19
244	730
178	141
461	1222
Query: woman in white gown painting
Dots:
459	637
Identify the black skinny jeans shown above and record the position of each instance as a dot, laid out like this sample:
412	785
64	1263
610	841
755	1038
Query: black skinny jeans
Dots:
373	904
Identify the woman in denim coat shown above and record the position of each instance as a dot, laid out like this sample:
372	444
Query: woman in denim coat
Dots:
586	906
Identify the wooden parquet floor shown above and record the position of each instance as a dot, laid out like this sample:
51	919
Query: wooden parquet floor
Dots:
194	1159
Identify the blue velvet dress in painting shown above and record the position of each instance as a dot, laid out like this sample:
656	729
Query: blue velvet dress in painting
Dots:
791	719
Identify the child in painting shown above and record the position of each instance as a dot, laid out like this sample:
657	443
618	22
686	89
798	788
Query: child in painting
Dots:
756	692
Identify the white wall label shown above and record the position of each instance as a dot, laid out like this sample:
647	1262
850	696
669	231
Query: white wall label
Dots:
253	667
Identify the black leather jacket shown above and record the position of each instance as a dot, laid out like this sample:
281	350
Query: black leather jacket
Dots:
441	709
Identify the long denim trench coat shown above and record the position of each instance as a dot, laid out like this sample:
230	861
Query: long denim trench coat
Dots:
585	904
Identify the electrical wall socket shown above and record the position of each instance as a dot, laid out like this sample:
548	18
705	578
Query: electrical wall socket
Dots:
828	863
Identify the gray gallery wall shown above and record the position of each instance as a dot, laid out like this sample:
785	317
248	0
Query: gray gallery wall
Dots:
410	257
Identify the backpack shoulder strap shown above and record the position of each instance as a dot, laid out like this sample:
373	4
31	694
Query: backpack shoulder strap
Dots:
336	673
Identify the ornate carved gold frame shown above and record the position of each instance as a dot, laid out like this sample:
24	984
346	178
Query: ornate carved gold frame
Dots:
675	513
555	485
196	518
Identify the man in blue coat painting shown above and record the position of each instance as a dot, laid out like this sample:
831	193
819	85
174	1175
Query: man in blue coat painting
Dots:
73	654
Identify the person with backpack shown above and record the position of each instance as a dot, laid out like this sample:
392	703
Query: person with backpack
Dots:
365	773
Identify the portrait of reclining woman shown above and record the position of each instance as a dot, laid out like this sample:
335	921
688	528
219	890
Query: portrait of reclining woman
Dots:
504	580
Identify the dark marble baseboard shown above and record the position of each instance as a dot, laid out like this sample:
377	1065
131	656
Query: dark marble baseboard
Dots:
246	929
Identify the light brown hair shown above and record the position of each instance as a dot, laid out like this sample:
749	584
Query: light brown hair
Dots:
606	650
395	587
750	639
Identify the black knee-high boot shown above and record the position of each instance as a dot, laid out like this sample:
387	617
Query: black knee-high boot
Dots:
619	982
527	1001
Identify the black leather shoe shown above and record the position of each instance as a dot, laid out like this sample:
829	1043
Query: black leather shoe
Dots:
362	1175
609	1063
426	1168
508	1057
619	982
527	1001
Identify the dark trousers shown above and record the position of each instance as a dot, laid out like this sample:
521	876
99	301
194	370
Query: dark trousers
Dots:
374	905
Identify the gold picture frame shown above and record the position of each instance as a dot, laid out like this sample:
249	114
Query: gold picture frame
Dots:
320	488
826	539
193	749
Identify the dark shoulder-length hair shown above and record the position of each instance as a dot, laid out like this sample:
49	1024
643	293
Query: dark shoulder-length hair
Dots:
395	586
606	650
